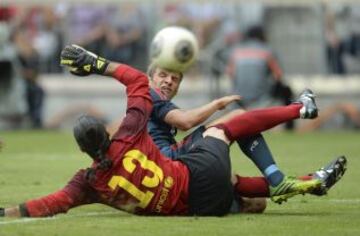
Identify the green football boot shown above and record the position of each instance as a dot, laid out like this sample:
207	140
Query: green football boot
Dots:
291	186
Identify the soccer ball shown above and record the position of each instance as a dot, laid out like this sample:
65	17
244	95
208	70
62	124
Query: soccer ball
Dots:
174	48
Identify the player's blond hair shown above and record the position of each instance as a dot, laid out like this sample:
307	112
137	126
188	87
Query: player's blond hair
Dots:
152	68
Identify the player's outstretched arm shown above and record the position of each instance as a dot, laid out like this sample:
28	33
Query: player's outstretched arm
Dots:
52	204
81	62
76	193
10	212
187	119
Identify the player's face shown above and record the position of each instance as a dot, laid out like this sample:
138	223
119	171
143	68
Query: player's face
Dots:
167	82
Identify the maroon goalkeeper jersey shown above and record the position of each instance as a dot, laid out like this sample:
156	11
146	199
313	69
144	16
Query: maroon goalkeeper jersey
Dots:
140	181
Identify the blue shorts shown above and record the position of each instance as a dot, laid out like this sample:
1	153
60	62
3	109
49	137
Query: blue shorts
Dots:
185	145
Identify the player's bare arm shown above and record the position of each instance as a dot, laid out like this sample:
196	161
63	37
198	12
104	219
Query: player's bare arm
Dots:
187	119
10	212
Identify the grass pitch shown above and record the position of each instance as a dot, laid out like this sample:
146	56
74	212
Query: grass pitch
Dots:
37	163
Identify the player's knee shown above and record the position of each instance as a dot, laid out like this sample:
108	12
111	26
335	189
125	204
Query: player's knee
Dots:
216	133
226	117
237	112
253	205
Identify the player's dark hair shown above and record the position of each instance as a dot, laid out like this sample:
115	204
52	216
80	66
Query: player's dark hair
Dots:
2	212
93	139
6	74
255	32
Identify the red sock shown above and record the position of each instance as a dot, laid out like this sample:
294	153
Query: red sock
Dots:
255	121
305	177
251	186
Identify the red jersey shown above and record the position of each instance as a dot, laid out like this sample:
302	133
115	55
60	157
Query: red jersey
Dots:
141	180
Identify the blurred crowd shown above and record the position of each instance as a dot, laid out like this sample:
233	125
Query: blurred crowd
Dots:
31	38
41	31
122	31
342	32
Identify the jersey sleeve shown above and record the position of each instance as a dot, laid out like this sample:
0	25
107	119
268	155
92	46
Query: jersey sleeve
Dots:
77	192
139	104
161	106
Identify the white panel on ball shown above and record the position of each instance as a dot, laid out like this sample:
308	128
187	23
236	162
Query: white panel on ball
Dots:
174	48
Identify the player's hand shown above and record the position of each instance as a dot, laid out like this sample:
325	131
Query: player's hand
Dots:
82	62
226	100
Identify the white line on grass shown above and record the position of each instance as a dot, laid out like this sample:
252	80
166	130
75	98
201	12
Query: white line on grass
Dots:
345	201
29	220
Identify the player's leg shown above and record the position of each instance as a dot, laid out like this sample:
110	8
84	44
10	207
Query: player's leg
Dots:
14	211
257	186
246	200
289	187
250	187
247	126
254	122
226	117
329	175
256	148
248	205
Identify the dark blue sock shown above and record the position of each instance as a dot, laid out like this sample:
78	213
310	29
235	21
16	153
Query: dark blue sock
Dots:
256	149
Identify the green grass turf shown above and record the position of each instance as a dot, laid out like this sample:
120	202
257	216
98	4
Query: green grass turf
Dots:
33	164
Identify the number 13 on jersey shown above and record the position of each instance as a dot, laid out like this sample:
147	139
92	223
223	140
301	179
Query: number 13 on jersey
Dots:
144	197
